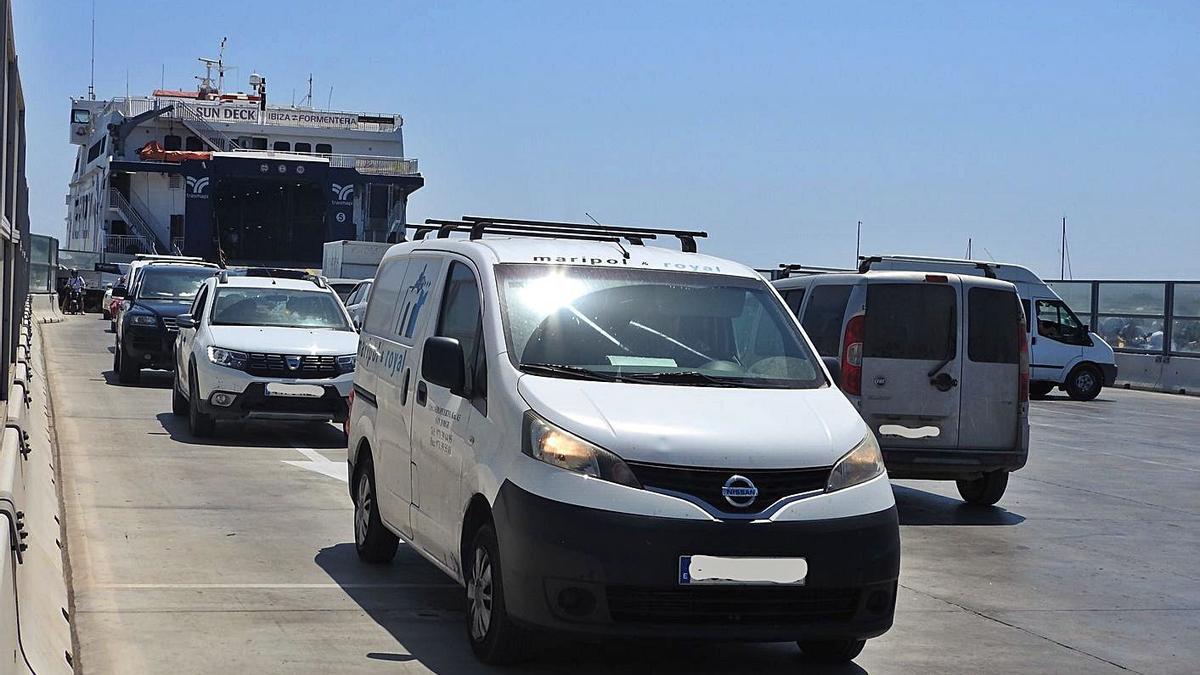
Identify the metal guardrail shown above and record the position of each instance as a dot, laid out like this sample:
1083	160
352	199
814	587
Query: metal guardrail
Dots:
1138	316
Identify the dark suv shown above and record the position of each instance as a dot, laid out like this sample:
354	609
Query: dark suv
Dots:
146	332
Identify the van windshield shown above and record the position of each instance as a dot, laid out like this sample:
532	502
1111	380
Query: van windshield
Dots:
651	326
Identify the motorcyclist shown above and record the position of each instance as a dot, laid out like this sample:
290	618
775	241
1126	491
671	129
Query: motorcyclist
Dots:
75	286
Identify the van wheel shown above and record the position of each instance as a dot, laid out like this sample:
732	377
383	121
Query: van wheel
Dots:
1038	390
201	425
1084	382
373	542
832	651
494	638
179	404
985	490
127	371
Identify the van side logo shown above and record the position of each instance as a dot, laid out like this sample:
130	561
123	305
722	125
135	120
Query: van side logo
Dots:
739	491
414	298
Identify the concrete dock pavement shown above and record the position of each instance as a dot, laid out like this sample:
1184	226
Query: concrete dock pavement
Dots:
235	554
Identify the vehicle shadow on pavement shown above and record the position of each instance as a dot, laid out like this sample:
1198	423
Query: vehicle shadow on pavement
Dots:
150	379
317	436
424	612
918	507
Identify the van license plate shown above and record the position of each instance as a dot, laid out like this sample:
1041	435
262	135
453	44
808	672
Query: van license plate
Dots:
294	390
713	570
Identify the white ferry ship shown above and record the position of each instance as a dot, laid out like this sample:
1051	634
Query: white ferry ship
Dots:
231	178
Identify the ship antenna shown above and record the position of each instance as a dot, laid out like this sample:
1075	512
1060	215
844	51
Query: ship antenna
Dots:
92	82
221	67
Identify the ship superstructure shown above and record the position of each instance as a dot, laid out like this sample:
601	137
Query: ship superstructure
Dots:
231	178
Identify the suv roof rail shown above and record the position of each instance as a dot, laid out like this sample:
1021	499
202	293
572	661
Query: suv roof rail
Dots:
478	225
284	273
989	268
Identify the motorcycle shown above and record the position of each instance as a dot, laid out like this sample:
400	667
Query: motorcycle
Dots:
74	303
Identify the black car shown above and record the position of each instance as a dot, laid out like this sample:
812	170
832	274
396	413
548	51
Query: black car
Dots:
146	331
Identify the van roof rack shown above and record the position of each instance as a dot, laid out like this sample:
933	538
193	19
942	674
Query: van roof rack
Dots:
478	225
989	268
785	270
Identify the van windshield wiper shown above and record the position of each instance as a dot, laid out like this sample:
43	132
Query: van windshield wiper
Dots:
574	372
684	377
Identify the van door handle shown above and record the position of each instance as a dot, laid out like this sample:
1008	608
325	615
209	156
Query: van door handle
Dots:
422	393
404	387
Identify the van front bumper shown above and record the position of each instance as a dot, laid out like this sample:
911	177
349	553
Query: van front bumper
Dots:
1109	371
581	570
950	464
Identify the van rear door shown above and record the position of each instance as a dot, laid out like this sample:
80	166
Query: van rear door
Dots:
912	362
989	390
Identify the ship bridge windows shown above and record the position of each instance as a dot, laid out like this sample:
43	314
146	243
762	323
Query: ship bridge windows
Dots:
81	116
324	149
172	142
281	146
303	147
193	144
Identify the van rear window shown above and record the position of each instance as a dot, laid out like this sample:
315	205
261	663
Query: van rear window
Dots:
911	321
823	317
992	326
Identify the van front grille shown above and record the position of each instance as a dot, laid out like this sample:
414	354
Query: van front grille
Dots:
706	484
731	605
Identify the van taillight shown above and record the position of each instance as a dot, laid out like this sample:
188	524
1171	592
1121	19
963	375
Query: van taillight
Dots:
1023	376
852	351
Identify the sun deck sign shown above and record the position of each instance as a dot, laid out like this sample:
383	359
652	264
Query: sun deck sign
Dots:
225	112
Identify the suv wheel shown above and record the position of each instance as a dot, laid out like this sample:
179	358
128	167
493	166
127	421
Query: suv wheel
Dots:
832	651
127	371
985	490
1084	383
494	638
199	424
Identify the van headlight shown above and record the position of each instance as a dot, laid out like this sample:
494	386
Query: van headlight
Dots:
227	357
859	465
547	443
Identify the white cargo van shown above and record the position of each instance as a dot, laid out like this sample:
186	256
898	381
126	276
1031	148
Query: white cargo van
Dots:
1064	353
937	364
614	439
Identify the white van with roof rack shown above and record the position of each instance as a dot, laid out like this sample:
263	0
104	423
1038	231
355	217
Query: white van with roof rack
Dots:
1064	351
601	437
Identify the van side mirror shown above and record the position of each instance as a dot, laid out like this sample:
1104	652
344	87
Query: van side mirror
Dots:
185	321
835	369
442	364
120	291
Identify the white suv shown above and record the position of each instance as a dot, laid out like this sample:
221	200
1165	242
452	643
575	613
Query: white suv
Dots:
263	348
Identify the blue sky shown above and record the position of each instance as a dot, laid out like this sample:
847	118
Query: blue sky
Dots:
773	126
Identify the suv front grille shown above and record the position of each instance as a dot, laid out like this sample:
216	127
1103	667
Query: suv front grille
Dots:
276	365
170	322
731	605
706	484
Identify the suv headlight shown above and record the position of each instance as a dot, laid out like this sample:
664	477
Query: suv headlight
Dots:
143	320
859	465
547	443
227	357
346	363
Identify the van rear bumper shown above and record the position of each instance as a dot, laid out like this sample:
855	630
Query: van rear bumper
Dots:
950	464
581	570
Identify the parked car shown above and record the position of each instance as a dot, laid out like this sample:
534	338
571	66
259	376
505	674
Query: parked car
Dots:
106	303
343	287
937	364
146	325
1064	351
356	304
582	435
263	348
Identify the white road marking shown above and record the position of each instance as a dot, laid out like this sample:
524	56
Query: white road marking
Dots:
320	464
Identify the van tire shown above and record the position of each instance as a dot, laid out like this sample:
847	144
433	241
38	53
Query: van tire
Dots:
179	404
832	651
985	490
1084	382
127	371
494	638
1038	390
373	542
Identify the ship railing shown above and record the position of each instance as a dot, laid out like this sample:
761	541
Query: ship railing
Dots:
177	245
211	135
126	243
373	165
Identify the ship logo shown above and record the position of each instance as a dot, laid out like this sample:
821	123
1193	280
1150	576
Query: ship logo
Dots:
344	192
197	184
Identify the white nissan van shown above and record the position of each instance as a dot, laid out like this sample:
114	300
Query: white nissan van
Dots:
1064	351
602	437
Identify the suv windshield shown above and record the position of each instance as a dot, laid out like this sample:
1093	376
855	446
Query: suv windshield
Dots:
651	326
171	282
277	307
